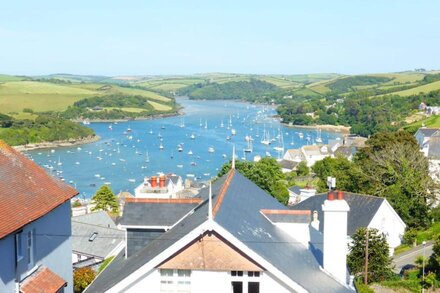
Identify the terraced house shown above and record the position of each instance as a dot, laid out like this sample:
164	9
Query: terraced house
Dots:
233	238
35	247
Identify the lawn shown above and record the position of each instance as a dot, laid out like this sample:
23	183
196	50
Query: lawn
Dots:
5	78
433	121
279	81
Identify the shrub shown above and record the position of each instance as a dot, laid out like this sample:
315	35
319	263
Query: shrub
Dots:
82	278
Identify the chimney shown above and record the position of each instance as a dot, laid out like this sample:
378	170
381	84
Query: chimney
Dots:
153	181
162	181
335	236
315	221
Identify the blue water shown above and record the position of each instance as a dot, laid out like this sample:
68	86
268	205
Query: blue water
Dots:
120	157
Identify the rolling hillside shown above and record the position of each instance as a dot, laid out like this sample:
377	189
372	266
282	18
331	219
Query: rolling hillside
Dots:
46	96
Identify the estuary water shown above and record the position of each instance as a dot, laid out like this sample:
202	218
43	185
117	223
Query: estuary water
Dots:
194	145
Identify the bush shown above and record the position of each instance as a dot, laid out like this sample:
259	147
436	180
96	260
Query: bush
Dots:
82	278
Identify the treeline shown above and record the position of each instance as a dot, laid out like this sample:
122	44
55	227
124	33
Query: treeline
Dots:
112	107
350	83
45	128
366	116
237	90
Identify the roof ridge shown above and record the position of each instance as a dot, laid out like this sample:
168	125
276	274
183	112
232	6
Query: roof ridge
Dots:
223	192
165	200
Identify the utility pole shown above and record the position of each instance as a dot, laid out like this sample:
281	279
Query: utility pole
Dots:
366	258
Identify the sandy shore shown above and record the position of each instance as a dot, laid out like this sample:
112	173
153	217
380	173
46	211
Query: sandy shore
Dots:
325	127
56	144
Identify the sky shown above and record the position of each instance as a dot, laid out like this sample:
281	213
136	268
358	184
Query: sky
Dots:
149	37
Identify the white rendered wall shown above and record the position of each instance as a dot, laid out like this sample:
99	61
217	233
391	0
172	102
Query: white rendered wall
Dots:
386	221
208	281
335	238
300	232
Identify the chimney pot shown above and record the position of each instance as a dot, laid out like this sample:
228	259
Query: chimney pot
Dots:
340	195
331	195
153	181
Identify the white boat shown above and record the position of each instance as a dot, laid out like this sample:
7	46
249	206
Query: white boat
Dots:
182	123
206	124
190	152
107	183
233	131
318	138
59	162
192	136
76	163
190	175
249	148
129	129
301	135
211	150
161	146
86	122
179	166
180	148
97	175
151	131
110	127
131	180
222	125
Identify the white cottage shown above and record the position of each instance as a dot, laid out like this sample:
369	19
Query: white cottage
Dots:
237	238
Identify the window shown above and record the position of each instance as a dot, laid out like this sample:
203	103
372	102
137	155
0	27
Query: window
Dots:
245	282
175	281
30	250
19	247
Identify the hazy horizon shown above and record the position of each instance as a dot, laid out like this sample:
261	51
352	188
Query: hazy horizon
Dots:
111	38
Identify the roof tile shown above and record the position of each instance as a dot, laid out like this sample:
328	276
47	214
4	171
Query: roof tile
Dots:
27	192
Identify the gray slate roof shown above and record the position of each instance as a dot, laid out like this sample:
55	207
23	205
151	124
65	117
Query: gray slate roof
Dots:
240	215
434	148
107	239
295	189
427	132
154	214
362	209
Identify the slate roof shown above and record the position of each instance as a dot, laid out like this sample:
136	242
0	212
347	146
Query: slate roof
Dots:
42	280
239	204
27	192
140	212
362	209
107	239
286	164
427	132
295	189
434	148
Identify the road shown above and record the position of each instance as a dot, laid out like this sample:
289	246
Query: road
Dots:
408	257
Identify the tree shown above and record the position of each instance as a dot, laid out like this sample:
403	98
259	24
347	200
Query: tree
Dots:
105	200
265	173
379	262
82	277
302	169
394	168
348	175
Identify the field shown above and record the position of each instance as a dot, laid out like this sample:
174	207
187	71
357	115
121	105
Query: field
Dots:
45	96
126	109
420	89
169	84
38	96
160	107
4	78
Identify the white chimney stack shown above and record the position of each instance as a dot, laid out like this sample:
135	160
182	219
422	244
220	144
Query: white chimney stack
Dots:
335	210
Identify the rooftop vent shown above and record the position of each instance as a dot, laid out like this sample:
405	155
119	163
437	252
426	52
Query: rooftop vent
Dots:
93	236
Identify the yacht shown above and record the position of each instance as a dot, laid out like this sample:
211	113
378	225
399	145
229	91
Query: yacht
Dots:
211	150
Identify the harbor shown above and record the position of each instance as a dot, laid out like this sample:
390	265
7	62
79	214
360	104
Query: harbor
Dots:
193	146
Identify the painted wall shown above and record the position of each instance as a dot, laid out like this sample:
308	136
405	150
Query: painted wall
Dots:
52	248
208	281
386	222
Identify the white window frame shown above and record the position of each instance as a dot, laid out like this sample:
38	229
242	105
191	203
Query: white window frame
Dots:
30	248
174	280
245	279
19	246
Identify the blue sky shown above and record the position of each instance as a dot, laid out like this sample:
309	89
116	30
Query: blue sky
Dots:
184	37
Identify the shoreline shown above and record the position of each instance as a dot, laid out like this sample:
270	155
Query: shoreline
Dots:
57	144
325	127
152	117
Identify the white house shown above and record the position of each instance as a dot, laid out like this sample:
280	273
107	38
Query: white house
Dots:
236	239
35	245
365	211
162	186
